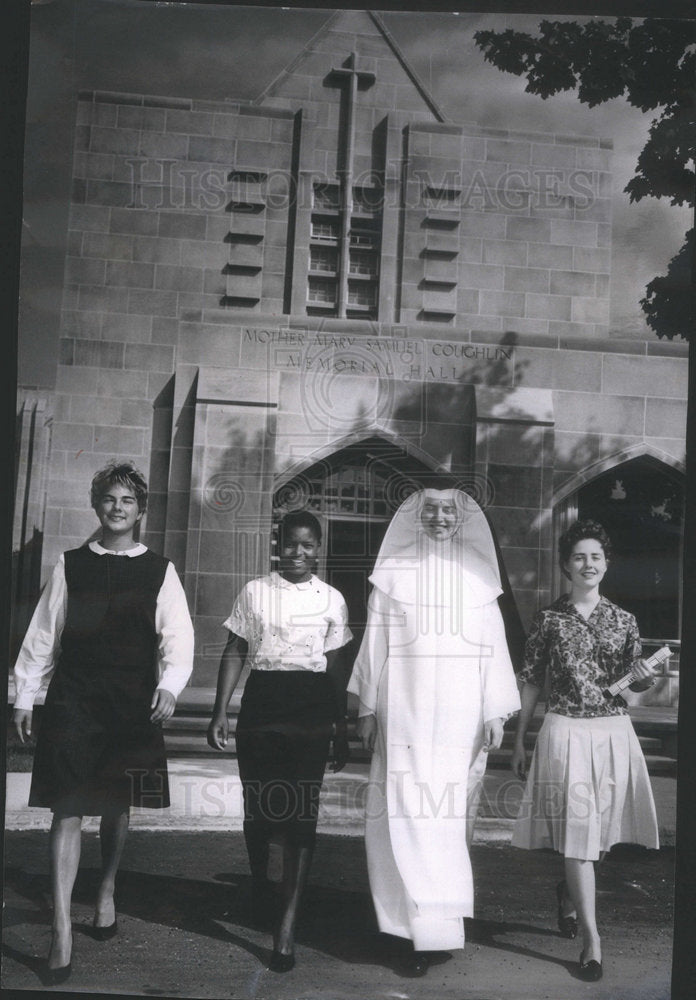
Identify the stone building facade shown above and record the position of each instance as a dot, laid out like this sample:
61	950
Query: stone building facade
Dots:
327	296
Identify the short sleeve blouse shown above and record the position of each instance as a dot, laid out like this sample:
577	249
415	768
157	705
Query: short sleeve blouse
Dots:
289	626
578	658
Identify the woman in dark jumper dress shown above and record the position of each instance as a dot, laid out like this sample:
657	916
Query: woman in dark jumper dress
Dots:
113	628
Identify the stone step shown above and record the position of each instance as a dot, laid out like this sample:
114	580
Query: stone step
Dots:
193	744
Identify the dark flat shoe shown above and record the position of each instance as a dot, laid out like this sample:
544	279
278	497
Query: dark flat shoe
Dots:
590	971
417	964
568	926
54	977
105	933
280	962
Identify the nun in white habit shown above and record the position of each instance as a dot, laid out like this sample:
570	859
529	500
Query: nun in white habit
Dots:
435	685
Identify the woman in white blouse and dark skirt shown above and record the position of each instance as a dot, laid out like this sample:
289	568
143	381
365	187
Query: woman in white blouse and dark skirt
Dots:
588	786
292	628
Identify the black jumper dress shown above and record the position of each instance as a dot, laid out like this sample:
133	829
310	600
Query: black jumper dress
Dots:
96	748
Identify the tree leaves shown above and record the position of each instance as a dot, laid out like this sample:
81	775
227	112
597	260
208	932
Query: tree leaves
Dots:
652	65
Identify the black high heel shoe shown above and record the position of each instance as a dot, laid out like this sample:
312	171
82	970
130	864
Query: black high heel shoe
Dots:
590	972
54	977
281	963
568	926
417	964
105	933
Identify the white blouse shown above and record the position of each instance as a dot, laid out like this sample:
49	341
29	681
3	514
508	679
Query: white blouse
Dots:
289	626
37	657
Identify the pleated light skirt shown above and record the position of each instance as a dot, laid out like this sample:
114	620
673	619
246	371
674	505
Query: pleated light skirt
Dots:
587	789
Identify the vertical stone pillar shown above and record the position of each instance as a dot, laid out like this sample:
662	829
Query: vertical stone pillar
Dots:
514	458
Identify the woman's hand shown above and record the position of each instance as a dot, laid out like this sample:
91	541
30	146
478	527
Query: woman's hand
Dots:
341	751
493	734
518	762
218	731
367	731
163	704
641	671
22	721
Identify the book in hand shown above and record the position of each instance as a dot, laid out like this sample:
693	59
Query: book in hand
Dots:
653	661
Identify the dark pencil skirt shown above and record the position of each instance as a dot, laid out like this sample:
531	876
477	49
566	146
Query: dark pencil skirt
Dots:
283	738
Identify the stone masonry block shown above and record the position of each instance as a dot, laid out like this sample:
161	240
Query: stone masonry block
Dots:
590	310
574	233
182	279
122	384
114	193
95	409
636	376
481	276
546	154
134	220
594	412
665	418
515	486
596	259
76	381
127	328
550	255
572	283
532	230
526	279
501	303
548	306
149	357
190	122
72	437
98	354
209	150
107	247
130	275
164	146
98	166
114	140
119	440
99	298
89	218
254	127
156	250
84	271
508	151
597	210
501	252
152	303
184	225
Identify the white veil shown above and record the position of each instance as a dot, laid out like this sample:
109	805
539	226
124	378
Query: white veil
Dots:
460	571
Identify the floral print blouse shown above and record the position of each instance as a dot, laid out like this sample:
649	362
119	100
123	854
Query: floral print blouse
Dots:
581	656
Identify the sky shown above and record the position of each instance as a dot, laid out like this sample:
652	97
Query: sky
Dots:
214	52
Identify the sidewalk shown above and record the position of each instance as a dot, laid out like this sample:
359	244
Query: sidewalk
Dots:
184	929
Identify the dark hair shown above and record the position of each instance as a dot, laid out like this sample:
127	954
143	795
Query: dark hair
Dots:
298	519
123	474
576	533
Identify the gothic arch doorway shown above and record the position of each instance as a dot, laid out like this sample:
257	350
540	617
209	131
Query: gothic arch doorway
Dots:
640	502
354	493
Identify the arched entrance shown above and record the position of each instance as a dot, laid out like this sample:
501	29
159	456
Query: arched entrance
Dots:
640	502
354	493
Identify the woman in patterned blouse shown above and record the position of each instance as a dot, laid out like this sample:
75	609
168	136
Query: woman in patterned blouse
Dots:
588	785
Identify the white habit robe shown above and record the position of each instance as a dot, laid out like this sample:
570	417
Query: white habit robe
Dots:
431	675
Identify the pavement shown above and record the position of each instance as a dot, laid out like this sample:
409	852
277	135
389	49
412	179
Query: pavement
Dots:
185	928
